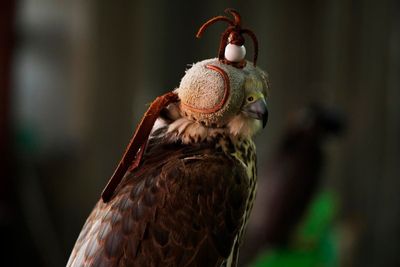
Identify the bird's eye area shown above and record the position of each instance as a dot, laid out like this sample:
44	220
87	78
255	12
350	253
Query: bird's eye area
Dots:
252	97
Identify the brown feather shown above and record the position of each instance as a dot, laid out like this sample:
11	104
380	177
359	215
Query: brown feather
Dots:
183	206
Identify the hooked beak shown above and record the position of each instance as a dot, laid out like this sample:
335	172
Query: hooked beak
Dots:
257	110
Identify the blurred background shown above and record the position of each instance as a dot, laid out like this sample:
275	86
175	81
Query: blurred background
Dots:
76	76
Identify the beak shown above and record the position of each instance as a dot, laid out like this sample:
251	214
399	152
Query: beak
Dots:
257	110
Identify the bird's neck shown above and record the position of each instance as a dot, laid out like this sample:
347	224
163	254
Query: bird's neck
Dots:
182	129
179	129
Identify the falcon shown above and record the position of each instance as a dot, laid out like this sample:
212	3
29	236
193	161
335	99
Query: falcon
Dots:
183	191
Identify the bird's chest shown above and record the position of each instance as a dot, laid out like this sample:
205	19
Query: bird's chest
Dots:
245	153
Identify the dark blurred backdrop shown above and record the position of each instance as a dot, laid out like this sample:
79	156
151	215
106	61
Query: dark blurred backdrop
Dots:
75	77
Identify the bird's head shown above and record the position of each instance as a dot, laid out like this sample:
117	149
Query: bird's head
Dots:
219	95
227	91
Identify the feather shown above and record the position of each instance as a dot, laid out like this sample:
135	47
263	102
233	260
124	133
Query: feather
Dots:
170	208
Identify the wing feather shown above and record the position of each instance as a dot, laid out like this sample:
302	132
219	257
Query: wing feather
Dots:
182	207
